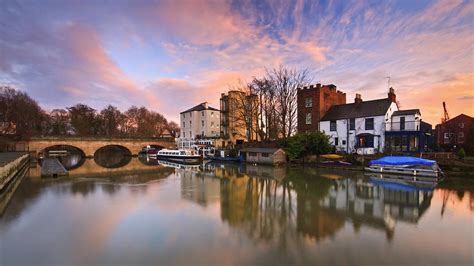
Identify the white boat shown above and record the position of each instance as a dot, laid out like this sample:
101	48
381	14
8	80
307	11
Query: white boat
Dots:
181	156
405	165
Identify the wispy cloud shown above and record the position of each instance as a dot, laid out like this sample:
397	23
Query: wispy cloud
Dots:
154	53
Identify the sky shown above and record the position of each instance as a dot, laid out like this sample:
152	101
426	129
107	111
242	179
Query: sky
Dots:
172	55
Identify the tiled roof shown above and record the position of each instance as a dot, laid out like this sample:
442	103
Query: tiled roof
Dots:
200	107
355	110
407	112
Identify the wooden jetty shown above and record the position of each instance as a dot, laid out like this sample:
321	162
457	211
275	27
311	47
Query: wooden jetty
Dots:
51	167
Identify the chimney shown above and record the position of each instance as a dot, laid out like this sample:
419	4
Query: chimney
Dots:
205	105
391	95
318	86
358	98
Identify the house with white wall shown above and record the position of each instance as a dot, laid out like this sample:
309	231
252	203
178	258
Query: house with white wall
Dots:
359	127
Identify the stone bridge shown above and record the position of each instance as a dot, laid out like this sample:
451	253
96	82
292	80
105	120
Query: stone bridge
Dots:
90	145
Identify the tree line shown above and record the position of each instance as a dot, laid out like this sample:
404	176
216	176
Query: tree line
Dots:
21	116
267	107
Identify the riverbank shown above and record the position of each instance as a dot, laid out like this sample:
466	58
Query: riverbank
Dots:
13	167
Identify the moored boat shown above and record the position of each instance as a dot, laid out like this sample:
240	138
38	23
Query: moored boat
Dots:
224	156
181	156
405	165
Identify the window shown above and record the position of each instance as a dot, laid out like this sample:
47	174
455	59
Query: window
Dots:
253	154
190	134
191	114
184	115
352	124
212	114
190	123
308	119
202	133
212	124
308	102
184	134
402	123
264	154
369	124
202	113
365	141
184	124
461	134
332	125
336	141
343	142
202	122
461	125
448	137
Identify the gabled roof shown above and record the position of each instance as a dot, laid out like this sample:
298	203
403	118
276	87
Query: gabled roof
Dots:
200	107
355	110
407	112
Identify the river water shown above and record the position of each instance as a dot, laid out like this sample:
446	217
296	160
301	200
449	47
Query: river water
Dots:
143	213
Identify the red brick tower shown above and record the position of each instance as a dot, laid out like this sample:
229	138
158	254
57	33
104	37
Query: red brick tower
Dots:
313	103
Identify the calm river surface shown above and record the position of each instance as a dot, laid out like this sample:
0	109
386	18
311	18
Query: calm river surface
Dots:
142	213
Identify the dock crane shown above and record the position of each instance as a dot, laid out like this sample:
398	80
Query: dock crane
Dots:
446	115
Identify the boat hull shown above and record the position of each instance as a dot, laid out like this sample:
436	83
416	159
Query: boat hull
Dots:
403	171
179	159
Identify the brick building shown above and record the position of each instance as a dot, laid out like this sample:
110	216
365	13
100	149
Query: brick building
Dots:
314	102
455	131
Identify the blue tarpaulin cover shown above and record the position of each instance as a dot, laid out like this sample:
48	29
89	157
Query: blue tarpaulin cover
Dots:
402	160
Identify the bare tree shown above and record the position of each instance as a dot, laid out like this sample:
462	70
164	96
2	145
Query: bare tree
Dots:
286	82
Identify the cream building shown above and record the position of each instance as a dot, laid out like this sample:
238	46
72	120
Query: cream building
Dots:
200	122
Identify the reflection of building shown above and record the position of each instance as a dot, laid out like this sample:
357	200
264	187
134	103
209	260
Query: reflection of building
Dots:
376	205
313	102
197	189
238	117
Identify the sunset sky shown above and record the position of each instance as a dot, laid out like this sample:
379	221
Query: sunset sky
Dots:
172	55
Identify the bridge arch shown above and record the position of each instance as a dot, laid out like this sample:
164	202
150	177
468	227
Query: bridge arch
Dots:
112	156
71	157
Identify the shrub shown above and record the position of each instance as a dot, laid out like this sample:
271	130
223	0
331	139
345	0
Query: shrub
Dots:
461	153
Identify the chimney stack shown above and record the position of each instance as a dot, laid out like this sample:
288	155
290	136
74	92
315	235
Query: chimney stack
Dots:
358	98
205	105
391	95
318	86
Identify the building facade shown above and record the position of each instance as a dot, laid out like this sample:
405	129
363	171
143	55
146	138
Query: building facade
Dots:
406	132
200	122
238	118
313	103
368	127
455	131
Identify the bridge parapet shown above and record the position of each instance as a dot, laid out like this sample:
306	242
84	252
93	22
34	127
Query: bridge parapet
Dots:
89	145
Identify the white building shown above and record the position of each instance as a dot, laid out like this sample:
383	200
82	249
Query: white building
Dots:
359	126
199	126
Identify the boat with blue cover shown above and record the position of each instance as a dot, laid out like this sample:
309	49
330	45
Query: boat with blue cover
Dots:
405	165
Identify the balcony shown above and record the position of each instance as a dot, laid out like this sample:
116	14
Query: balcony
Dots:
406	126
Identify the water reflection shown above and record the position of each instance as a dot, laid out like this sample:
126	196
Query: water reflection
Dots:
70	156
112	156
220	214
